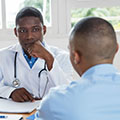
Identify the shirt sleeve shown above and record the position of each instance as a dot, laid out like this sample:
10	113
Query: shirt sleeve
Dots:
63	59
45	106
53	105
58	76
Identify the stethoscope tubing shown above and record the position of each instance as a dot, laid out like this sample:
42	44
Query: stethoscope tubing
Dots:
39	75
15	62
16	81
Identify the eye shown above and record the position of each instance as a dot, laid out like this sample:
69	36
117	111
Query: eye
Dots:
22	30
36	29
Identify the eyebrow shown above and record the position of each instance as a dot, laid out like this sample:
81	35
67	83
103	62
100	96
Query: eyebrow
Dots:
36	26
22	27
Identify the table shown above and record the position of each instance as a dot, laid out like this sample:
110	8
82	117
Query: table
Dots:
25	115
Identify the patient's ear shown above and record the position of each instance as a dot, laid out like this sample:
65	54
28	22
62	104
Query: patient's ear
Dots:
15	32
117	48
77	57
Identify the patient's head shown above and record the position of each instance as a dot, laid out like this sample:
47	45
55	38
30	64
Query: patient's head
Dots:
92	41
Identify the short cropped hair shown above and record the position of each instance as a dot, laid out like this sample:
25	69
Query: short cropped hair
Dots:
95	38
27	12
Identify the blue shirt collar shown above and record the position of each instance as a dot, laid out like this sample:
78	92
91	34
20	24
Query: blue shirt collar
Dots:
100	69
30	61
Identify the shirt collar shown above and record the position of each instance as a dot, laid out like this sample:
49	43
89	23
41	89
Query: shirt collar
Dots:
100	69
30	61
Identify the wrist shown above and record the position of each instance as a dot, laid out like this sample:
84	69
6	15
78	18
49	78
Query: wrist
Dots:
49	61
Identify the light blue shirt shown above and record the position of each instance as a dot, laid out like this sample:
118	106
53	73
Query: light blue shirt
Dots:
96	96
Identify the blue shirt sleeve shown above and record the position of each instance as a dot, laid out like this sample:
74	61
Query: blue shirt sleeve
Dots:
52	106
45	112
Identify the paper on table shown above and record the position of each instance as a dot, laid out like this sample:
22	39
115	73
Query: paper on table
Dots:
10	117
9	106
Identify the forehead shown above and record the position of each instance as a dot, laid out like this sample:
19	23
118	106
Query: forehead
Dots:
29	21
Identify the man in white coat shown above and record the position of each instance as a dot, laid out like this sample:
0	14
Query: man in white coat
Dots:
30	68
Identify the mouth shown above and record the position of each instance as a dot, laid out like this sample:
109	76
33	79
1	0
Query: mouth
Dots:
30	42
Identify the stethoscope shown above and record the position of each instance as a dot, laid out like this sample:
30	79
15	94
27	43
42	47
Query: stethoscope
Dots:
16	81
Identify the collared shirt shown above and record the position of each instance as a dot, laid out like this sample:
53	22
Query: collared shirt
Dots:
96	96
30	61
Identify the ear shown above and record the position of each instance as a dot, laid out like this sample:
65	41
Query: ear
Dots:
15	32
77	57
44	29
117	48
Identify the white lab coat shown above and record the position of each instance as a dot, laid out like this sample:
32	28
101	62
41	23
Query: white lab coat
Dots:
29	77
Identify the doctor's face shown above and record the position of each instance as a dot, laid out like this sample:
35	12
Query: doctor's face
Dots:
29	30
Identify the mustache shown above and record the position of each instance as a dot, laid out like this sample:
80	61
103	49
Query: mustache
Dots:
32	41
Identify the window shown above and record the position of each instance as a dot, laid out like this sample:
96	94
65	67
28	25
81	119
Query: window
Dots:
111	14
0	16
42	5
56	18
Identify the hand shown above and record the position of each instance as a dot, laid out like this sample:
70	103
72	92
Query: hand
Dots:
21	95
37	50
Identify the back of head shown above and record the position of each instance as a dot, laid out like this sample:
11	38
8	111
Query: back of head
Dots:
29	11
95	39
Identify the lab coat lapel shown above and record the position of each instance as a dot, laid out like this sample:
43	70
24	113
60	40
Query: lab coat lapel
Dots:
18	48
39	64
21	57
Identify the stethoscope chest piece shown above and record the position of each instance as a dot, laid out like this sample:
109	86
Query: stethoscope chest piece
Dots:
16	83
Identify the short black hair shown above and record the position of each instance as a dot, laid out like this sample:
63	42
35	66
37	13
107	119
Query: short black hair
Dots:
95	38
28	11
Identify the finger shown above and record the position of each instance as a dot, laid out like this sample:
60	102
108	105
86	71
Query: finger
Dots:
26	46
25	98
29	50
34	55
21	95
29	96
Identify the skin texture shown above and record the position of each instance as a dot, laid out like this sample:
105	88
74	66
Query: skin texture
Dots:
30	32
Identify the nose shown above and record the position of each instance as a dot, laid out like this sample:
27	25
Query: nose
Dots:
29	35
